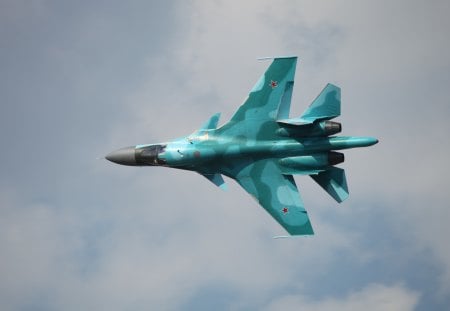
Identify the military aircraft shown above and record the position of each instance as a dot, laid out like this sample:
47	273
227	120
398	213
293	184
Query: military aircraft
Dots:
262	148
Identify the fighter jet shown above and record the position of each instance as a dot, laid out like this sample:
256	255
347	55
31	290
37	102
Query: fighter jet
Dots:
262	148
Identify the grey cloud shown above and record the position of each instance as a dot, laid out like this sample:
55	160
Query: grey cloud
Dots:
81	79
372	297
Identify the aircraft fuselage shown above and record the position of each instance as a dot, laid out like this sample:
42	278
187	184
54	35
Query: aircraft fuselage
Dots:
192	152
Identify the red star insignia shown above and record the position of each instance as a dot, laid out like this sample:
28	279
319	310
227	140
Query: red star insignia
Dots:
273	84
285	210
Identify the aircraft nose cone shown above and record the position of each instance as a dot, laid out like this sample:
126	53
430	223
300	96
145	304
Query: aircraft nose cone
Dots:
124	156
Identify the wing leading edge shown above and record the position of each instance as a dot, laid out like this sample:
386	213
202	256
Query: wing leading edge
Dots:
269	100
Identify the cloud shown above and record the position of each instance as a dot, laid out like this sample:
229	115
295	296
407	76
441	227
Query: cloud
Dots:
372	297
88	234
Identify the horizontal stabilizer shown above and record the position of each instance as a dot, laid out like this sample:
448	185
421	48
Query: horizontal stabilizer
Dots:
217	180
334	182
325	107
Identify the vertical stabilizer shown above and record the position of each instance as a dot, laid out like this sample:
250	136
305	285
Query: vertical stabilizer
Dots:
334	182
325	107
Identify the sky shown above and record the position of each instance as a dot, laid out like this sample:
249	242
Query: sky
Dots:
79	79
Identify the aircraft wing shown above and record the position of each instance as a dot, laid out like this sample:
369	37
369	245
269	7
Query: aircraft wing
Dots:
269	100
277	193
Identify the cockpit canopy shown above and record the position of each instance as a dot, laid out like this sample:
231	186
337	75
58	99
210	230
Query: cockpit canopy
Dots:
149	155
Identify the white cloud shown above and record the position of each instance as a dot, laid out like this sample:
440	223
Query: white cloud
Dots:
153	251
376	51
130	238
371	298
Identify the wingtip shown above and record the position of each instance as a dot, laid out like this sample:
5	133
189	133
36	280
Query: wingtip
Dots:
275	57
291	236
281	237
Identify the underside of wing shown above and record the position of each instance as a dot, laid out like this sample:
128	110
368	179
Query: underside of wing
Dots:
268	101
276	193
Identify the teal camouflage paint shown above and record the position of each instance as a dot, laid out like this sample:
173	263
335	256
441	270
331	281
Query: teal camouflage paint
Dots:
261	148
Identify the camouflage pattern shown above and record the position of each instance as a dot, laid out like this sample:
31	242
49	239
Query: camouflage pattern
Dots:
261	148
